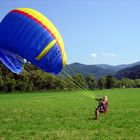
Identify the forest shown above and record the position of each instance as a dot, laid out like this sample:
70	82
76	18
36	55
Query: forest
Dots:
33	79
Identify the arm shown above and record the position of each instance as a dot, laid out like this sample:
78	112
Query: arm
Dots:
96	99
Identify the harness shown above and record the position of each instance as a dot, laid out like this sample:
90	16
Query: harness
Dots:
102	107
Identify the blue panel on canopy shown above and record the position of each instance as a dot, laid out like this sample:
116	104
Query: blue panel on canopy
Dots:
12	61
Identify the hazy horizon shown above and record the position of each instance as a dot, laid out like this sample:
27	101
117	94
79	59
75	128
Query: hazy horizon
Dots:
106	63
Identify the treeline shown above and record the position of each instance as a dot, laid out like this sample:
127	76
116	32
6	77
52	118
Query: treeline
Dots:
33	79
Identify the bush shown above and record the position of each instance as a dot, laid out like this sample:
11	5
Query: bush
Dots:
9	84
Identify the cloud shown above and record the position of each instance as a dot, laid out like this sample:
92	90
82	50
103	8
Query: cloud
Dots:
108	54
94	55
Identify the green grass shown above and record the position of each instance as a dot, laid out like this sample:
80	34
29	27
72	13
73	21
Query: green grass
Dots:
69	116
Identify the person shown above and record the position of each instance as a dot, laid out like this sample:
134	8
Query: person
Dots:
102	106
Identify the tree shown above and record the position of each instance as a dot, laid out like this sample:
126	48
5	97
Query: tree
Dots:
110	82
41	80
128	83
70	83
23	82
79	81
137	82
1	83
60	83
9	84
101	83
91	82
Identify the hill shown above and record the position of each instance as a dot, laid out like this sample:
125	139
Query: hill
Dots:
97	70
124	66
131	73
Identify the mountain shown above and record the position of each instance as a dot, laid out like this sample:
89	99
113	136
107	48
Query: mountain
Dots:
87	69
123	66
118	67
98	70
131	73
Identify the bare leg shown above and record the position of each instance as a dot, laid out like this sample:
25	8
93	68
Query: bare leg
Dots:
96	114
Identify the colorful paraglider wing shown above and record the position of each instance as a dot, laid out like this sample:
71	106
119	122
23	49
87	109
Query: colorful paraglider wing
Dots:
27	34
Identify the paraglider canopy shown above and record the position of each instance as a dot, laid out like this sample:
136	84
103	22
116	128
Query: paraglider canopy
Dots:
27	34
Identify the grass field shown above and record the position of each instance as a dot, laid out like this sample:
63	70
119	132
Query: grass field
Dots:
69	116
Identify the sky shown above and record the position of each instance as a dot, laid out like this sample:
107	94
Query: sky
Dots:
94	31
